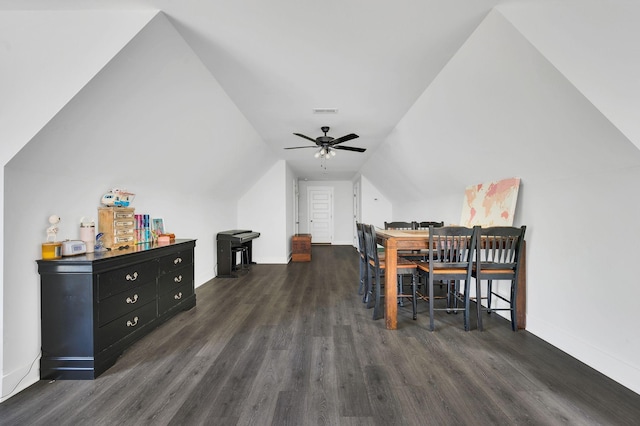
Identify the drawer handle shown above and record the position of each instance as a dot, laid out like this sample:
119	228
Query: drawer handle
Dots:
177	260
132	300
177	296
134	323
132	277
177	279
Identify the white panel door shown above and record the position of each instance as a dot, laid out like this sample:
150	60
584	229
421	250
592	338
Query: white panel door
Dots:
320	214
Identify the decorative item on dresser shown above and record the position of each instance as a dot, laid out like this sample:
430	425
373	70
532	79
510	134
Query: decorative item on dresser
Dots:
95	306
301	248
117	224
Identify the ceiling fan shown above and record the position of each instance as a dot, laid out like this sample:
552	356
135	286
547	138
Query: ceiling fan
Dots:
328	144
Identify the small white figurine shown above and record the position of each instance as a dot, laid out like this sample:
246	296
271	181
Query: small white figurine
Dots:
53	229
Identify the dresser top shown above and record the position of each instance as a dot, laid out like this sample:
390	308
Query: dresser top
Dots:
133	253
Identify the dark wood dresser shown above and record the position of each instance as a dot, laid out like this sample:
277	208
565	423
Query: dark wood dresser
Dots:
95	306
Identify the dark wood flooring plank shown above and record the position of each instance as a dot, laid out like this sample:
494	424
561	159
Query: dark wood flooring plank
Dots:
289	409
294	344
230	400
385	407
322	402
260	402
351	383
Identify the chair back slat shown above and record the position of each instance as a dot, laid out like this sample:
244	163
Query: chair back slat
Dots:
400	225
427	224
451	246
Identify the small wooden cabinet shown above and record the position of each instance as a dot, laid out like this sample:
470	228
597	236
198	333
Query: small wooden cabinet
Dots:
117	224
95	306
301	247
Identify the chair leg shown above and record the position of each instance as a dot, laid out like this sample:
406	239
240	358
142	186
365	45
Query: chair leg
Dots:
400	284
479	303
361	284
414	300
467	302
431	322
368	293
377	308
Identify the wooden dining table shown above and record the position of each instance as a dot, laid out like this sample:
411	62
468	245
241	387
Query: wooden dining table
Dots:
394	240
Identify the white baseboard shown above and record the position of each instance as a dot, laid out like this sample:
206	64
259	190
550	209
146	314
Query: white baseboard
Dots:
20	379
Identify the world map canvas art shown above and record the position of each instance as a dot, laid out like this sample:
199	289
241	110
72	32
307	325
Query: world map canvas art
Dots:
490	204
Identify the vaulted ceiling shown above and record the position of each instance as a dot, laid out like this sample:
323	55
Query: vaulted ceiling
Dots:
368	59
278	61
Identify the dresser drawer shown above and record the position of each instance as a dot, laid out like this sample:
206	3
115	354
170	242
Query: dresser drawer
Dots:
170	281
178	294
125	302
125	325
175	261
119	280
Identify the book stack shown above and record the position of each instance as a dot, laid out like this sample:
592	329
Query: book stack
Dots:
143	229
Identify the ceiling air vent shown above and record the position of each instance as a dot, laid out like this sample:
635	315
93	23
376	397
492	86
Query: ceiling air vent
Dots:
325	110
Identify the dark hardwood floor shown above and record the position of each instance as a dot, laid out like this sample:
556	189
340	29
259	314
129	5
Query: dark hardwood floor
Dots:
294	345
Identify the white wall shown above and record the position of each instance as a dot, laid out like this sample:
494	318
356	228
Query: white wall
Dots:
150	121
342	209
45	63
290	179
25	76
376	208
265	208
446	208
594	44
501	109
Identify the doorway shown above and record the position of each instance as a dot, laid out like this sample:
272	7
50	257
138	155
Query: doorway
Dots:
296	213
356	212
320	199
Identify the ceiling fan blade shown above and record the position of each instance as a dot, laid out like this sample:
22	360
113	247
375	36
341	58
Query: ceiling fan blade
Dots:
306	137
350	148
344	138
298	147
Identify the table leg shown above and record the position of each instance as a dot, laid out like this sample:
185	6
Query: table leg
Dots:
390	285
521	300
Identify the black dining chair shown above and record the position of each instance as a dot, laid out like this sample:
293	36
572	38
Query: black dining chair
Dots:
375	274
450	260
498	254
362	287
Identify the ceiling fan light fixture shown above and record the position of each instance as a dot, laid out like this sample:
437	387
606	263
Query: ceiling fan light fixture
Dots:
328	144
